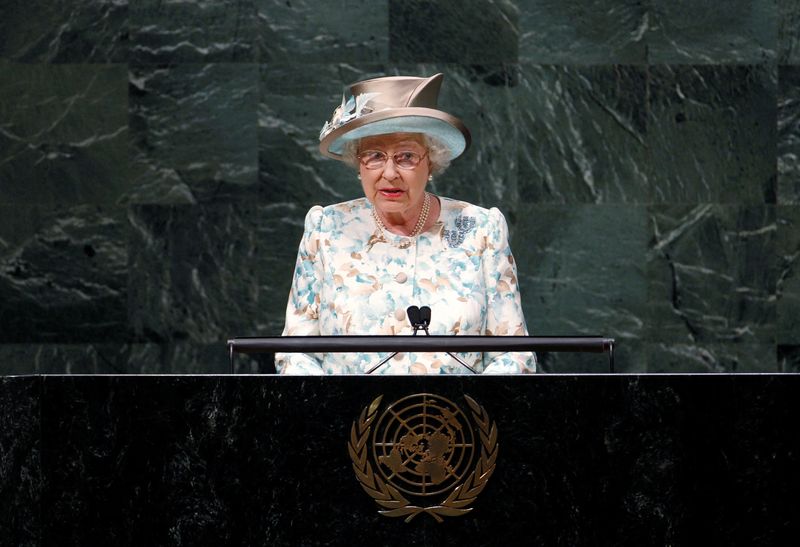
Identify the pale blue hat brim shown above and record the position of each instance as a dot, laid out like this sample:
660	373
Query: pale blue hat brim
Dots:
449	135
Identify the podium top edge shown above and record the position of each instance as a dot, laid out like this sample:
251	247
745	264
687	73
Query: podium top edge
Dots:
433	343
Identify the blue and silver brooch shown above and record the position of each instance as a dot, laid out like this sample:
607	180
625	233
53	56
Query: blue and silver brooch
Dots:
455	237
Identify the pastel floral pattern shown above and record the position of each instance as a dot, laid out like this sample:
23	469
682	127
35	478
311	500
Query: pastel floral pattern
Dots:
350	279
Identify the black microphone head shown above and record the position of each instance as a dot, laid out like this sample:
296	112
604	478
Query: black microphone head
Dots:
425	315
413	315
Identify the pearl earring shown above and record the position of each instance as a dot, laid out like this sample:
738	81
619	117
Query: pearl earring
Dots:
430	178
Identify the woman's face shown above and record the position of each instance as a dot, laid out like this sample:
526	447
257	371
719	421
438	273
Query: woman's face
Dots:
391	189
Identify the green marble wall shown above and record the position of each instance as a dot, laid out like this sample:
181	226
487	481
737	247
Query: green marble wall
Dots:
157	159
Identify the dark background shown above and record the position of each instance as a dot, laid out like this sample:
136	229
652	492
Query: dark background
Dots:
157	160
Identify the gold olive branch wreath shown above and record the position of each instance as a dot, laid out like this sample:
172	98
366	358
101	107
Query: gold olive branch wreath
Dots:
389	497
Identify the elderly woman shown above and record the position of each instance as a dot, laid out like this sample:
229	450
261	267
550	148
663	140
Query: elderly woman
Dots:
363	262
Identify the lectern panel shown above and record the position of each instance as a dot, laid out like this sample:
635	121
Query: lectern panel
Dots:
534	460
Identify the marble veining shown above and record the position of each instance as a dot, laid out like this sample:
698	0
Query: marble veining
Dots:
632	31
178	357
584	134
787	289
711	134
700	289
789	135
789	358
53	283
789	32
584	259
214	278
423	31
169	31
63	134
193	131
305	31
63	31
597	32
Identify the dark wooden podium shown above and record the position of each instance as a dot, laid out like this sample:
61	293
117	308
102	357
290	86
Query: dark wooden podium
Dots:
263	460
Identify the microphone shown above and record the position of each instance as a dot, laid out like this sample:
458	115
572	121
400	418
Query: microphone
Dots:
419	318
414	318
425	316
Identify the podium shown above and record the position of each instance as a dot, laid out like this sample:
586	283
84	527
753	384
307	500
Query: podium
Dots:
264	460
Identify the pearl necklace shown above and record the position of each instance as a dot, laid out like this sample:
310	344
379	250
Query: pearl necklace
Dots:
423	218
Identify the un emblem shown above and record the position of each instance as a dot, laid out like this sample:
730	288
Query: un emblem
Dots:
423	447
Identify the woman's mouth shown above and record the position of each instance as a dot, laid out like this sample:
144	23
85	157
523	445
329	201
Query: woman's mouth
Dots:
391	192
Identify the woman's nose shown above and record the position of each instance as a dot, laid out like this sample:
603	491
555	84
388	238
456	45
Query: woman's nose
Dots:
390	169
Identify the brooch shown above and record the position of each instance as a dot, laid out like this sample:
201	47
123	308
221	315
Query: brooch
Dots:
455	237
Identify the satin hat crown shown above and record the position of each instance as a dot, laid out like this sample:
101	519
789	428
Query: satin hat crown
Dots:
393	104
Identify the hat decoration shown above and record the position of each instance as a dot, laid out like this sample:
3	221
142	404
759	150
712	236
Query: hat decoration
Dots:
353	108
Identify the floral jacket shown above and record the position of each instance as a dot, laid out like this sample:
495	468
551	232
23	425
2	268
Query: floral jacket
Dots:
352	278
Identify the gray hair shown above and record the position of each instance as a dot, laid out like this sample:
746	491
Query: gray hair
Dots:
438	154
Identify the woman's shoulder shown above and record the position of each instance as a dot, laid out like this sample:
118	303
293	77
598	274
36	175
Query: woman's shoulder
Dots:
345	208
335	213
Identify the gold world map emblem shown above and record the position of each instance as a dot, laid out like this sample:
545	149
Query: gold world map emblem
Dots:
423	447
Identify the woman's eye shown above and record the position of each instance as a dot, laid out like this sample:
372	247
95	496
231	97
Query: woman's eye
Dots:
373	155
405	156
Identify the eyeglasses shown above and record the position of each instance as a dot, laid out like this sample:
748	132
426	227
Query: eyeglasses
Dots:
376	159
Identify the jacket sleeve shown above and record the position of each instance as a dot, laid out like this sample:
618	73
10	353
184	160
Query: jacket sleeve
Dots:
302	310
504	316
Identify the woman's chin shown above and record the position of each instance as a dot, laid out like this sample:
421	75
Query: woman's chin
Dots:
390	204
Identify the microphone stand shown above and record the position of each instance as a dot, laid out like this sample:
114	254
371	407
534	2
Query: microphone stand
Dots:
425	320
383	362
413	316
420	319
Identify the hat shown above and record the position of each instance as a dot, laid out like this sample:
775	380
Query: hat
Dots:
394	104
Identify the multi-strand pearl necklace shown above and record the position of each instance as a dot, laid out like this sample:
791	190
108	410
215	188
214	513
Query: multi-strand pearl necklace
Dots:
423	218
